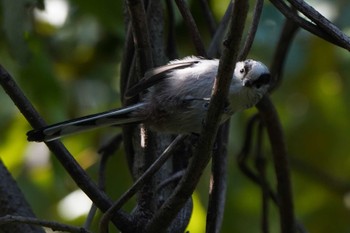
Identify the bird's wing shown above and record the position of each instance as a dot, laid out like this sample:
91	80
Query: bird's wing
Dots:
155	75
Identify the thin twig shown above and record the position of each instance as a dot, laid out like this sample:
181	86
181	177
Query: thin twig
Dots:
13	202
208	16
127	79
55	226
260	165
106	151
140	182
127	61
192	28
252	30
246	149
144	62
218	184
138	18
172	179
80	177
280	158
202	153
322	22
171	50
214	48
241	159
309	26
290	28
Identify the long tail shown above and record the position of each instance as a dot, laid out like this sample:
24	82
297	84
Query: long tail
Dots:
113	117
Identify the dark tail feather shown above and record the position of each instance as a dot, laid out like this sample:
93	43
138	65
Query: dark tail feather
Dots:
113	117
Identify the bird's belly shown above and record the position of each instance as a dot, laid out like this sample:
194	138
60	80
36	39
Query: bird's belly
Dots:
179	122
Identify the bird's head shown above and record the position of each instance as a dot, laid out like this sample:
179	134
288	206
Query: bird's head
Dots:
251	81
253	74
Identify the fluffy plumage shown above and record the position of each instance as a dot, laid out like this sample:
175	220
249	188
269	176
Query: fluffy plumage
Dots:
177	101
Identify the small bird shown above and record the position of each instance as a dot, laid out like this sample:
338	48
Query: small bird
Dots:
177	99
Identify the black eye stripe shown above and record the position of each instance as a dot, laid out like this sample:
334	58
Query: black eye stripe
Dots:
247	67
262	80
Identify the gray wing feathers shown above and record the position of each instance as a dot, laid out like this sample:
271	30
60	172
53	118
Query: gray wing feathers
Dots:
156	75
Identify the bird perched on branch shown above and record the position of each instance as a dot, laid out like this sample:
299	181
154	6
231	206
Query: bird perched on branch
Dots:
177	100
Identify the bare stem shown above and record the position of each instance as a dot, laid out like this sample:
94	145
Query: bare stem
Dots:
252	30
55	226
80	177
192	27
280	158
139	183
218	182
322	22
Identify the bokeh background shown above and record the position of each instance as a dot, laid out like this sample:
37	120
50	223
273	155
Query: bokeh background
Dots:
66	58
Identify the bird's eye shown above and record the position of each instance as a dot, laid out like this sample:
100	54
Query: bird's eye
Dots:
242	70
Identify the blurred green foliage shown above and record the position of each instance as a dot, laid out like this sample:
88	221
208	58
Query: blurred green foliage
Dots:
72	69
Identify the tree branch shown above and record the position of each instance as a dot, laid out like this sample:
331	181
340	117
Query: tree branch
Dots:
141	35
101	200
322	22
55	226
252	30
218	182
208	16
202	153
13	202
192	28
105	152
134	136
244	153
214	48
312	28
260	165
140	182
171	50
284	186
290	28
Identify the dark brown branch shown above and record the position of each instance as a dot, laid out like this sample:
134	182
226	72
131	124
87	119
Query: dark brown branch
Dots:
55	226
105	152
141	35
171	50
13	202
144	61
281	164
245	152
288	33
258	178
312	28
192	28
202	153
214	48
127	79
260	165
172	179
127	62
66	159
208	16
140	182
326	25
246	149
252	30
218	183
